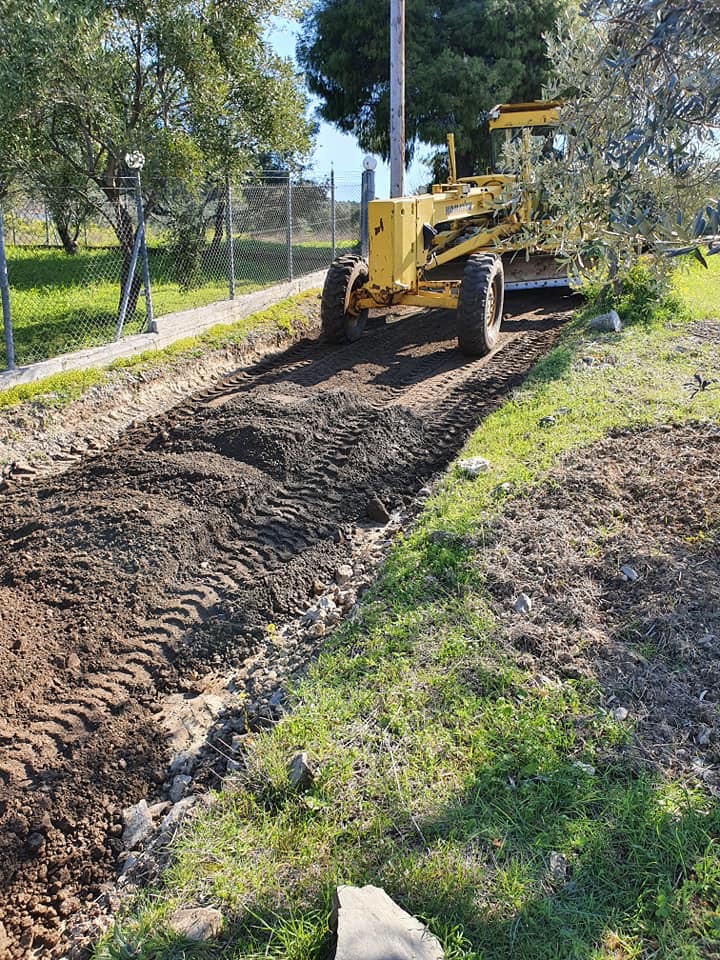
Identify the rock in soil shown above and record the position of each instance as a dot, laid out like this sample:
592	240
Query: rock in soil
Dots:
371	926
300	772
197	923
377	511
606	322
523	604
179	787
473	466
138	824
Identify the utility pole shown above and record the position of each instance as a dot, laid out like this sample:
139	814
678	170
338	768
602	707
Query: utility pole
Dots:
397	98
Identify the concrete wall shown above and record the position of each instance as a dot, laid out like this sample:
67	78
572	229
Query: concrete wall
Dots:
167	329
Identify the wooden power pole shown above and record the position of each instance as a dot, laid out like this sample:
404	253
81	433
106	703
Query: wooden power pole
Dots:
397	98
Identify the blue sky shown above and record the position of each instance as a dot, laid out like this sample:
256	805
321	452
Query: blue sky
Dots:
332	146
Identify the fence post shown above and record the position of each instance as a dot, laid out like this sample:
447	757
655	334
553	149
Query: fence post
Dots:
149	319
5	291
333	218
289	227
367	193
230	242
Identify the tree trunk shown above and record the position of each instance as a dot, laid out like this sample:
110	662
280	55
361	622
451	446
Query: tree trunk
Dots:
219	225
68	237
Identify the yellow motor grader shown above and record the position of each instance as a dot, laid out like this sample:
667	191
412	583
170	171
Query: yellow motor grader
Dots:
460	246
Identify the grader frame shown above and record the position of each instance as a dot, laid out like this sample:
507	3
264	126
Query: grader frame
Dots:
458	247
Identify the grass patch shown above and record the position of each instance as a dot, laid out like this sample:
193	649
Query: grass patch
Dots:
447	774
62	303
60	389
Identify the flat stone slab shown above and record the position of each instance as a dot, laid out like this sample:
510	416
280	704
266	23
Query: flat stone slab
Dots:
197	923
371	926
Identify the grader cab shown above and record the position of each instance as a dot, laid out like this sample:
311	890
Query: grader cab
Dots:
460	246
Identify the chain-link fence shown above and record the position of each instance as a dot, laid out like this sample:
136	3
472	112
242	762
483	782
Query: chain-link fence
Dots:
81	273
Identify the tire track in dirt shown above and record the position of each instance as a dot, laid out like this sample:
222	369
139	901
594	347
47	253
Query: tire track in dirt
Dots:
147	565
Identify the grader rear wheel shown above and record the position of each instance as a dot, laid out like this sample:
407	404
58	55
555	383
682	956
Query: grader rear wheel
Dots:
338	325
480	304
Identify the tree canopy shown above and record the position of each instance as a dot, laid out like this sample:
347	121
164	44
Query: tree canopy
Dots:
641	84
189	83
462	57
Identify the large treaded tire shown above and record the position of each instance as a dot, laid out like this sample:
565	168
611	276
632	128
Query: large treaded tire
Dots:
337	324
480	304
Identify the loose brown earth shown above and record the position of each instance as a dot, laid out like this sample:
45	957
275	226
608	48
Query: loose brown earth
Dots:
648	500
145	566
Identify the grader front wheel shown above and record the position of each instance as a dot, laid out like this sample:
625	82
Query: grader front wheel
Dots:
338	325
480	304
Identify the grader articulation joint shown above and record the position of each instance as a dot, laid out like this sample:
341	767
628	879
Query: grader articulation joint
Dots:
459	247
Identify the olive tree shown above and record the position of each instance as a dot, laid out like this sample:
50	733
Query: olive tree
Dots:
191	84
640	129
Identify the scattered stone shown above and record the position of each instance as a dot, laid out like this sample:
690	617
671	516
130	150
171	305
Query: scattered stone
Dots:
307	619
442	536
35	842
607	322
72	661
377	511
317	630
138	824
503	489
317	587
703	736
628	573
548	421
179	787
371	926
586	768
474	466
197	923
300	772
22	467
558	867
523	604
176	813
620	713
344	573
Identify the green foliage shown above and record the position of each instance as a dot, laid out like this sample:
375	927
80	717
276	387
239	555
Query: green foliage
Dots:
187	243
642	109
461	59
644	298
55	391
192	85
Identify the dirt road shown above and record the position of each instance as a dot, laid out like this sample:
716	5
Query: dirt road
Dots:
145	566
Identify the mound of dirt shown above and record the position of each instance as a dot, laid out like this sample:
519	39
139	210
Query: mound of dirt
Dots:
620	552
97	568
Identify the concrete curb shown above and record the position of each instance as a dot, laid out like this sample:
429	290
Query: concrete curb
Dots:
168	329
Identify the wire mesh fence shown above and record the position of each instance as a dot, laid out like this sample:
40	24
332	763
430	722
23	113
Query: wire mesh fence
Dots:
75	277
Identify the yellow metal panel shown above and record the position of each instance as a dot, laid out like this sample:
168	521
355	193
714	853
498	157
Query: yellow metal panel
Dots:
539	116
393	237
